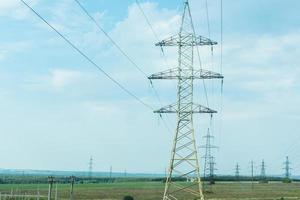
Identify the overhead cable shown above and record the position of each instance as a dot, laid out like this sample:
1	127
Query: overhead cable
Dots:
88	58
110	38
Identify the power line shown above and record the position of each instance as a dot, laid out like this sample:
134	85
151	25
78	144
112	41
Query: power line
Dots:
221	71
123	52
118	46
200	63
221	58
88	59
207	18
147	20
152	29
110	38
98	67
221	37
212	49
203	81
165	60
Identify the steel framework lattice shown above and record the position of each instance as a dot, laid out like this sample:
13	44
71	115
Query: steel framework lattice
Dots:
183	179
209	161
287	169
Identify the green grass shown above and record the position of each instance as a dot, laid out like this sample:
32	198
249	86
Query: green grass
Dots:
154	190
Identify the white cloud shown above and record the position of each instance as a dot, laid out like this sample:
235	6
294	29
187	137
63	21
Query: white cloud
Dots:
254	67
134	35
61	78
8	4
265	50
264	64
2	55
76	25
11	48
102	107
15	8
135	31
55	80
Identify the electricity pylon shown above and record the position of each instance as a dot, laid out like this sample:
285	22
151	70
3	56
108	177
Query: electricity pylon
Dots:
90	168
209	160
237	172
287	170
263	169
263	177
183	180
252	174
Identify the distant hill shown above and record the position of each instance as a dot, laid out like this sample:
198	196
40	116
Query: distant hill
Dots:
26	172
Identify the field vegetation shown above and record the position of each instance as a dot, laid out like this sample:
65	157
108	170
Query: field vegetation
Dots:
154	190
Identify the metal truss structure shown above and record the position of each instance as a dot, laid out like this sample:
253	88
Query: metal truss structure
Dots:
183	179
237	172
209	161
263	176
287	169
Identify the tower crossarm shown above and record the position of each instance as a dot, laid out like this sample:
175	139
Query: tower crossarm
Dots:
186	39
176	73
196	108
210	146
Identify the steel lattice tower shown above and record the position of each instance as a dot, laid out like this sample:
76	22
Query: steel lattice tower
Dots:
209	160
237	172
183	179
287	168
90	173
252	174
263	177
263	170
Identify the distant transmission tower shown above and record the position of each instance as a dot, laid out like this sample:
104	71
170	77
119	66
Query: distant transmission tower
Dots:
287	171
252	174
263	177
237	172
90	168
110	172
209	160
184	163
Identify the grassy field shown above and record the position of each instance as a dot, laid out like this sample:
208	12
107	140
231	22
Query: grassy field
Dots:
154	190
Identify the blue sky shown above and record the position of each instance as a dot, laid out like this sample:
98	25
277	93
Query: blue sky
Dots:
57	110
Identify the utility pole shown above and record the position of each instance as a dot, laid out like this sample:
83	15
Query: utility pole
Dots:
72	180
287	169
263	177
90	168
184	163
110	173
237	172
252	174
50	181
209	161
